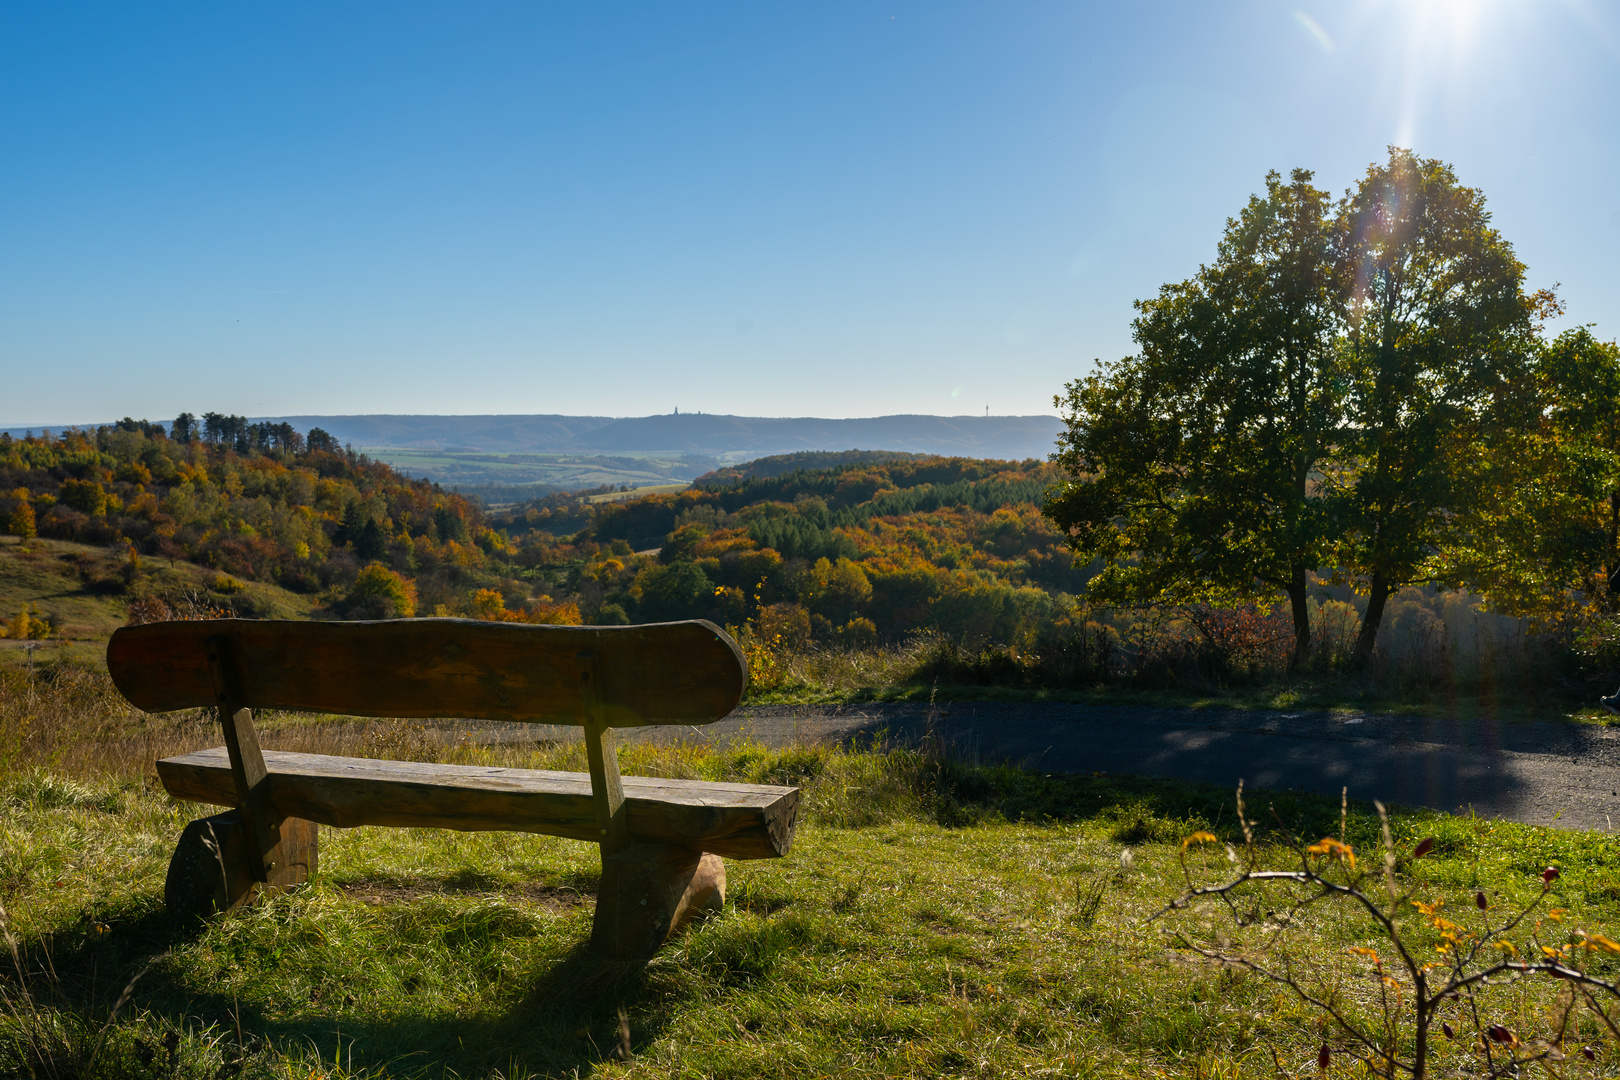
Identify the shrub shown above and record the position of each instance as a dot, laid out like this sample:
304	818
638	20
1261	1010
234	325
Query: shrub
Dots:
1459	974
85	496
21	522
785	625
858	633
28	626
379	593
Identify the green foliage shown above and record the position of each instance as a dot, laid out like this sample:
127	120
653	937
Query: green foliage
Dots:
379	593
1541	537
85	496
1362	391
252	502
1435	323
871	551
1192	462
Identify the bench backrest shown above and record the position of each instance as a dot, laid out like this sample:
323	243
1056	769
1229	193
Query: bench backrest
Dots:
677	673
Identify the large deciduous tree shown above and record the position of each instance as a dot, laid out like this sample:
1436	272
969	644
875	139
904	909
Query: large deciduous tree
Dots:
1349	384
1194	463
1437	330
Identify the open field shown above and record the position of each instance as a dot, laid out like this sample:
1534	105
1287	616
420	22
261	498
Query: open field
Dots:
620	496
935	918
547	472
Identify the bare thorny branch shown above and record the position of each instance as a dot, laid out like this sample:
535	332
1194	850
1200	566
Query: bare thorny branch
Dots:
1465	972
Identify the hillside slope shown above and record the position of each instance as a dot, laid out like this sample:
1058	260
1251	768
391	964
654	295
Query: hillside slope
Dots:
83	592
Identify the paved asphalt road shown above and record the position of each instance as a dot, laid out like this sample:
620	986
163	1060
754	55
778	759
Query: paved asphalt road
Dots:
1543	773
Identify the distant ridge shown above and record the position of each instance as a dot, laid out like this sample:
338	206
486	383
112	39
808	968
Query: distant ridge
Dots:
724	438
505	433
697	433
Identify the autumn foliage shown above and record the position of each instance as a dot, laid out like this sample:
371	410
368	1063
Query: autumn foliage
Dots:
867	552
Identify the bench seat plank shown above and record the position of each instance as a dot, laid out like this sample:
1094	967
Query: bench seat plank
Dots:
738	821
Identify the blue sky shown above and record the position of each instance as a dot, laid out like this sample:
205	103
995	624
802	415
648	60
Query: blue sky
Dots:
768	209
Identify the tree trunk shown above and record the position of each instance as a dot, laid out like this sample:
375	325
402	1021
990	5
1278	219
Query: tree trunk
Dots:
1299	601
1369	622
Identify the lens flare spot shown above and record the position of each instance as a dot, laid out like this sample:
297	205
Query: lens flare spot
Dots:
1314	29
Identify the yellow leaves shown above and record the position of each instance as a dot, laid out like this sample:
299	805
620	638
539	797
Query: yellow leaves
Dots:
1507	947
1333	849
1199	837
1428	909
1556	914
489	604
1597	942
1451	935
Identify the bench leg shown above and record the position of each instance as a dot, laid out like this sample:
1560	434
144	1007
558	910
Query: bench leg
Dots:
212	866
648	893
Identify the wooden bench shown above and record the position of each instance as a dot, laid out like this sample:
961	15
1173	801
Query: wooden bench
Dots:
661	840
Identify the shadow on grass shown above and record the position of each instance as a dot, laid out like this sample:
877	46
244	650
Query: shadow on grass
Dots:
573	1012
1135	809
579	1012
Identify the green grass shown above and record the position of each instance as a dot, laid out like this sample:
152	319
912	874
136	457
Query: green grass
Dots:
636	493
567	472
933	919
1460	706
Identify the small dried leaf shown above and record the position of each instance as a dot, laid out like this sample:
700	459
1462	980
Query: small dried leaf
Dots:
1322	1057
1549	875
1500	1034
1447	1031
1480	901
1424	846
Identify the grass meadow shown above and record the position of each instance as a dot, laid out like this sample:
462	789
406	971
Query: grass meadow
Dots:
935	918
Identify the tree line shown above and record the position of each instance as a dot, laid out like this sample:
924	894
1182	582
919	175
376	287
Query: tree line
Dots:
1360	390
859	553
248	501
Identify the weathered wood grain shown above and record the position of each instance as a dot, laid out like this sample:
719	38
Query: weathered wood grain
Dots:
738	821
678	673
212	868
247	761
602	759
648	893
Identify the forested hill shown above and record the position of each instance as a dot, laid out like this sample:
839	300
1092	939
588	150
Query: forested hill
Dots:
866	551
259	502
857	553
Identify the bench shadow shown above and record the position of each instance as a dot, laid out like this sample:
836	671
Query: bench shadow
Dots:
578	1013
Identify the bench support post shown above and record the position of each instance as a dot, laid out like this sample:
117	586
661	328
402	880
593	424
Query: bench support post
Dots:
648	893
212	867
648	890
247	760
601	751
